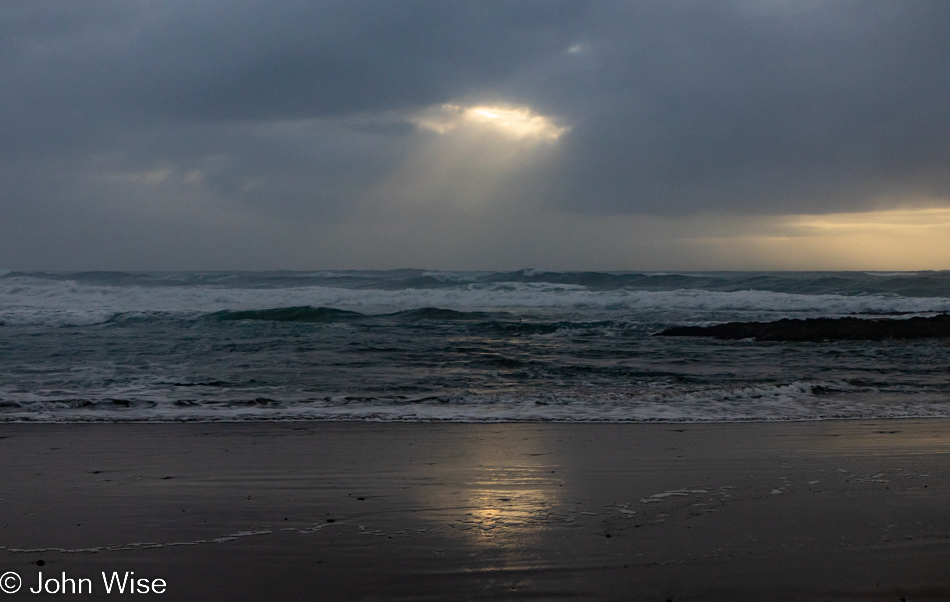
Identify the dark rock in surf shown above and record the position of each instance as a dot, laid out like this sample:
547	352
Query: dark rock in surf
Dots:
821	329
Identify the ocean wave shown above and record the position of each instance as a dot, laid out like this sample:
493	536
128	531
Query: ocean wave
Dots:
763	402
29	295
438	313
303	313
81	305
924	283
466	346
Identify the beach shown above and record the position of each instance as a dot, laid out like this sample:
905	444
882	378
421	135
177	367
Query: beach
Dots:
525	300
828	510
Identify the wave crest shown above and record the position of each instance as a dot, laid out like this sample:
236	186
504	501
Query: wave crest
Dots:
303	313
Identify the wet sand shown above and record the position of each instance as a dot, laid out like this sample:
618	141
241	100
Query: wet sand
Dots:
840	510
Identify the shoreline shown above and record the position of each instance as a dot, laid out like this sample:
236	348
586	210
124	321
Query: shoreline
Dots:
448	421
790	510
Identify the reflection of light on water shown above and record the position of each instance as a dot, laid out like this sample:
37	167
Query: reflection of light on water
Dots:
509	498
497	494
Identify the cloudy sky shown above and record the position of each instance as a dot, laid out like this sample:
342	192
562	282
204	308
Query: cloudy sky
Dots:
238	134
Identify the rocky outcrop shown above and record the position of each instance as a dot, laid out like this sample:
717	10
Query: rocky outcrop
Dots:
822	329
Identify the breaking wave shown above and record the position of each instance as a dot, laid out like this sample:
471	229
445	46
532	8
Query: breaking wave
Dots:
464	346
790	402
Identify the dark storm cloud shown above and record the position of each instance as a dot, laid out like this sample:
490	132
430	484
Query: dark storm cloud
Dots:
252	60
171	82
772	107
288	108
315	59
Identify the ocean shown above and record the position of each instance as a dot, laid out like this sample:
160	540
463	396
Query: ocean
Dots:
416	345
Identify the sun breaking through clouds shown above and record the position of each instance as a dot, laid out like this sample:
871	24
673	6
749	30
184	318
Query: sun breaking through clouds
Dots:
475	134
519	123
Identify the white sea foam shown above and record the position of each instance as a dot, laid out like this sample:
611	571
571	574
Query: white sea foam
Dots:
793	402
543	351
26	300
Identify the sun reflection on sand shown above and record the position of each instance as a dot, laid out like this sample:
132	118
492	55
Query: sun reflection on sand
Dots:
506	498
494	495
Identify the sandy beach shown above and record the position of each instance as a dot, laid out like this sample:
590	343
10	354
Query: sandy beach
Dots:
837	510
